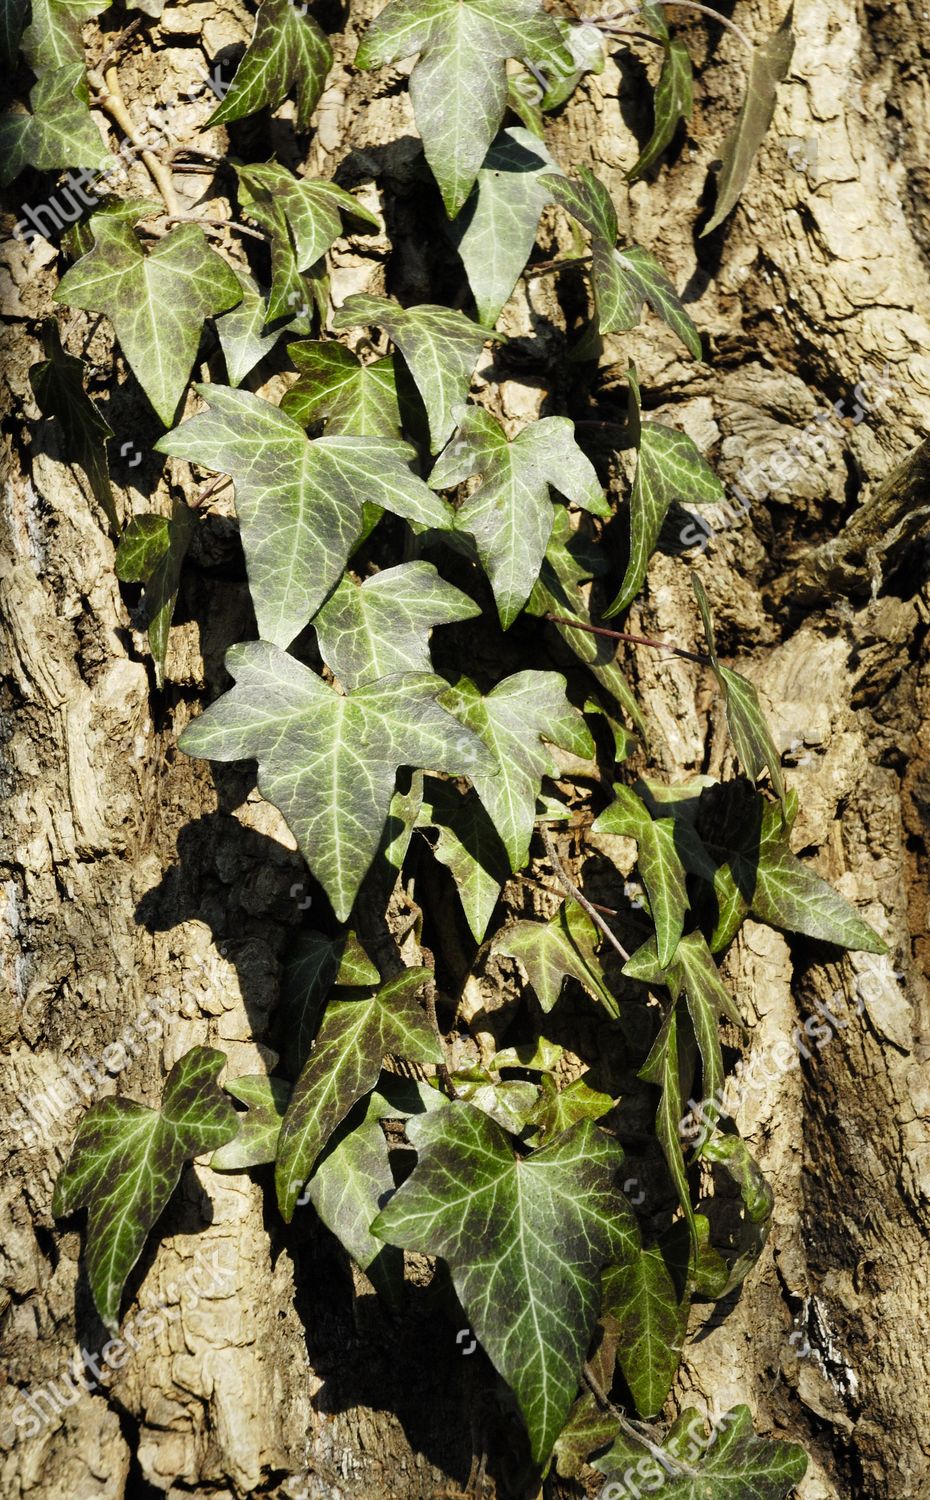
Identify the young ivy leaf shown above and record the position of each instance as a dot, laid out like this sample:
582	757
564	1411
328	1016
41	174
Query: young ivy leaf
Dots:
469	846
458	87
750	733
314	963
769	68
510	514
669	467
557	1109
553	951
60	131
585	43
242	331
382	626
659	864
58	384
151	552
257	1140
287	49
525	1240
354	1036
328	762
440	346
299	503
513	721
126	1162
650	1325
495	232
623	280
733	1464
335	387
303	216
157	302
673	101
664	1067
53	37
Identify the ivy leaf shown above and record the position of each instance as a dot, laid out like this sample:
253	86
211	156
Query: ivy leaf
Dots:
669	467
242	331
664	1067
571	562
303	216
623	280
513	721
315	963
458	87
60	131
126	1162
525	1240
354	1036
287	49
510	514
440	346
300	503
585	42
734	1464
748	730
508	1103
659	864
382	626
496	230
539	1056
335	387
58	384
651	1323
328	762
53	37
557	1109
156	302
674	101
469	846
769	68
151	552
13	15
757	1199
554	950
257	1140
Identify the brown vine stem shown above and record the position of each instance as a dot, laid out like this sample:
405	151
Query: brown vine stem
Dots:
633	640
635	1430
612	23
111	101
562	264
255	234
569	885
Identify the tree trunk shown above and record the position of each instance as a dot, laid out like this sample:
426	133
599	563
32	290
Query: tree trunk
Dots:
134	874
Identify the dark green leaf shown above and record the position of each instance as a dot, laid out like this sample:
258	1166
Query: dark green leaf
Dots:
314	963
731	1462
554	950
354	399
470	847
651	1322
58	383
287	49
664	1067
60	131
259	1127
152	552
659	864
556	1109
674	101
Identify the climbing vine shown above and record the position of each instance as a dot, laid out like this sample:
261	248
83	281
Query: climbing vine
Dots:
379	501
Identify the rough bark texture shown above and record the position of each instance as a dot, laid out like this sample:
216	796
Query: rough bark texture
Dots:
131	872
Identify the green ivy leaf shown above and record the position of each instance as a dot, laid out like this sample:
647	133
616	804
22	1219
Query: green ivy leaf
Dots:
669	467
554	950
513	721
328	762
303	217
242	331
569	564
335	387
382	626
651	1323
300	503
157	302
510	514
733	1464
60	131
151	552
659	864
53	37
758	1203
126	1162
539	1056
585	43
525	1240
664	1067
469	846
440	346
458	87
287	49
496	231
508	1103
314	963
557	1109
257	1140
58	384
623	280
354	1036
770	64
13	15
674	101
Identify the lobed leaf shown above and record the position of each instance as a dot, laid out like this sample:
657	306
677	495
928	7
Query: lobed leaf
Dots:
288	50
60	131
555	950
335	387
151	552
469	846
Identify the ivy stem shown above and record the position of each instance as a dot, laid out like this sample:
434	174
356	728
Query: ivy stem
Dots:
112	102
608	23
633	1430
566	881
255	234
633	640
563	263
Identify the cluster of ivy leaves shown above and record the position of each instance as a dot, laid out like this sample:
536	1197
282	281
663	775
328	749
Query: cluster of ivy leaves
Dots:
517	1182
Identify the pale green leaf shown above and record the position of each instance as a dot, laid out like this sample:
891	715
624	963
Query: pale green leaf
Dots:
257	1140
731	1462
663	1067
557	1109
335	387
469	846
242	334
53	37
659	864
552	951
60	131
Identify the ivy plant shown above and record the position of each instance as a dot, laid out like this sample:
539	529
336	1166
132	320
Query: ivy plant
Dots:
381	499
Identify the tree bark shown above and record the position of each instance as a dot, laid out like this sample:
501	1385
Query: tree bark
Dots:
134	874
